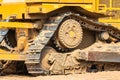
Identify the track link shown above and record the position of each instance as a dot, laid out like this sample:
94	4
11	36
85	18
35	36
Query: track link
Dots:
36	47
33	59
97	26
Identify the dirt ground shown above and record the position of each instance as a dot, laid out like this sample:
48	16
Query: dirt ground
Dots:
112	75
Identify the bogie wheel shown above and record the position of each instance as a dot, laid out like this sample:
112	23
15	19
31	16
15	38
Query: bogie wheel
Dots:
47	51
69	35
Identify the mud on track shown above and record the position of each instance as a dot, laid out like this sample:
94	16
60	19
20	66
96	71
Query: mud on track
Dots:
112	75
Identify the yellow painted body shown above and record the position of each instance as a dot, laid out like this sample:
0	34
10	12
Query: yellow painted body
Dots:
112	8
22	9
4	55
26	7
14	24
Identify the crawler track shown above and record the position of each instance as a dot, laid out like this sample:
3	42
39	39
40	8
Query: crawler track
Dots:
45	35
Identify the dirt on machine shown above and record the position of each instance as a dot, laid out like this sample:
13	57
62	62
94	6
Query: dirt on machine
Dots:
42	37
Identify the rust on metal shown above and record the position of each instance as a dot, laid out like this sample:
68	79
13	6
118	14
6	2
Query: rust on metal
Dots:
104	56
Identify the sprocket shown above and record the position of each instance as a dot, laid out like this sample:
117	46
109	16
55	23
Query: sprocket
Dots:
68	36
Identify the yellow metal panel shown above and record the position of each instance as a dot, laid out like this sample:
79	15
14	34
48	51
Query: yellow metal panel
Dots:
114	22
109	20
15	25
20	8
8	9
78	1
110	7
1	0
35	9
12	1
88	1
95	4
41	0
72	1
4	55
51	7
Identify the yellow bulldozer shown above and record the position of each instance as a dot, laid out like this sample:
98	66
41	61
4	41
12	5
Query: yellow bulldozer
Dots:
59	36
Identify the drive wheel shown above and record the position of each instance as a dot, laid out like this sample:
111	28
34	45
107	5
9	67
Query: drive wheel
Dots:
69	35
45	63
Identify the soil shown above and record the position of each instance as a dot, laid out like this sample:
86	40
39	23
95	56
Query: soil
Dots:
110	75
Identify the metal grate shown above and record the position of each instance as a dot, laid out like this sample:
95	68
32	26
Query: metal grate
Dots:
107	2
116	3
116	15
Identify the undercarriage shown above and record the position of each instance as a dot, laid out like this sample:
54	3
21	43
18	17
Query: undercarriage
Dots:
67	43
